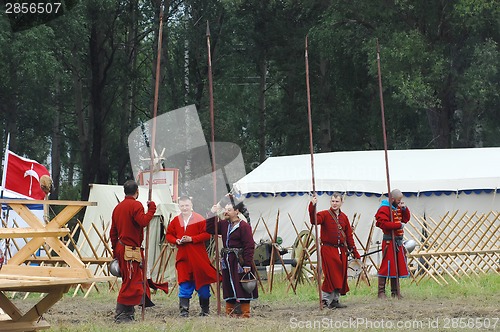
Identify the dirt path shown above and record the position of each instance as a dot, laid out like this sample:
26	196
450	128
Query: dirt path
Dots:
291	314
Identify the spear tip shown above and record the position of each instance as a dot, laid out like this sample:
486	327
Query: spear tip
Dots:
208	30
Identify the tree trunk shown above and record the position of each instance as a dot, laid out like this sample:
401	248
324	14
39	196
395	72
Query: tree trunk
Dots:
325	104
56	145
11	108
128	95
83	131
96	56
262	108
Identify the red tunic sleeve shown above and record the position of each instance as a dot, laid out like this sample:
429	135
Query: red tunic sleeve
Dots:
140	217
171	231
383	218
406	214
312	211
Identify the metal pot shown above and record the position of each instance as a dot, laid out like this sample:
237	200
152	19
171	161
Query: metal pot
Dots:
409	245
248	282
114	268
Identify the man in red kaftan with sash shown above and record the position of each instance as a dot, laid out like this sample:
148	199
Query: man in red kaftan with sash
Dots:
336	243
400	216
194	270
126	235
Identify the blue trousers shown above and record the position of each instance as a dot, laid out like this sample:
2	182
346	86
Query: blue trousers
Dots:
186	290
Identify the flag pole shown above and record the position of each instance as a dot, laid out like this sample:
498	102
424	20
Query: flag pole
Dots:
214	174
384	133
152	161
5	161
4	175
318	249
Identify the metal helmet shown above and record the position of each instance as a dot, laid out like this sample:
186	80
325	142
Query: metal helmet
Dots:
354	268
248	282
114	268
409	245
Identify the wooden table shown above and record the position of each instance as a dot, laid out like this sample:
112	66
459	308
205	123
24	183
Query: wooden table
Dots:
54	281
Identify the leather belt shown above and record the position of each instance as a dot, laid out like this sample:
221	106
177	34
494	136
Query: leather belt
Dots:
332	245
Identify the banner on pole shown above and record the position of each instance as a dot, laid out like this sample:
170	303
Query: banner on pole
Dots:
23	175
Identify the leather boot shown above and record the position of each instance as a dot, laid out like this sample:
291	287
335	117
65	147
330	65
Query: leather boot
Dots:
324	304
205	306
124	313
381	288
229	308
394	289
336	304
184	307
237	310
245	310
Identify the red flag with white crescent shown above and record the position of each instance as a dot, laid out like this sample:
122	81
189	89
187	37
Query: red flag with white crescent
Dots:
23	176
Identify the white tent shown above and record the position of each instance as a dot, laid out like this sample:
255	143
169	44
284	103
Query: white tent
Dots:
433	181
107	197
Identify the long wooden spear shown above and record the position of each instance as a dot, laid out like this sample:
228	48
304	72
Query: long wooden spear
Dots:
214	174
318	249
152	161
384	133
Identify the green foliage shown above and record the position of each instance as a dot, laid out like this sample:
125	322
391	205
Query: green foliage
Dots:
94	68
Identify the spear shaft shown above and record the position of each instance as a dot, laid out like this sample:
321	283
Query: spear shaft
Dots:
214	174
384	133
318	249
152	159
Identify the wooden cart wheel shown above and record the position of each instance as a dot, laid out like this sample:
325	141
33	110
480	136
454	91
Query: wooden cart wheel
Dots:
303	251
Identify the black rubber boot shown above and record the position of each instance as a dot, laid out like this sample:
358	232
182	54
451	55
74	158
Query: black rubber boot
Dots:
184	306
124	313
336	304
205	306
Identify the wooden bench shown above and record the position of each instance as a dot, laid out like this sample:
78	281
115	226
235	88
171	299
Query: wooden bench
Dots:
54	281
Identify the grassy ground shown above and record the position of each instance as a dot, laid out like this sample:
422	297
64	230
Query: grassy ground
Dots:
470	305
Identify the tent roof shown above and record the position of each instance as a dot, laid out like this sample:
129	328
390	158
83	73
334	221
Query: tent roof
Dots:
364	171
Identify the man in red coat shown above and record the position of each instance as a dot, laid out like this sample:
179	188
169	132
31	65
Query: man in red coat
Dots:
336	244
126	235
389	224
194	270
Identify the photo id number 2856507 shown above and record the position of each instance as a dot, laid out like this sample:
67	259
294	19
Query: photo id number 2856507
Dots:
32	7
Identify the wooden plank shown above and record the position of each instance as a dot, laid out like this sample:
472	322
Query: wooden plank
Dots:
64	216
43	285
89	242
29	217
109	250
453	253
45	202
9	308
46	271
26	251
12	326
85	260
44	304
31	232
65	253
